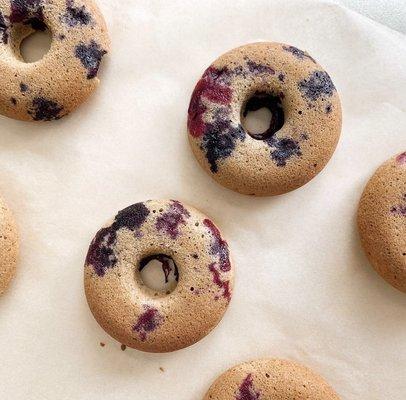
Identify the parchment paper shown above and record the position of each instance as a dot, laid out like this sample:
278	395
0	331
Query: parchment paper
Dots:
304	289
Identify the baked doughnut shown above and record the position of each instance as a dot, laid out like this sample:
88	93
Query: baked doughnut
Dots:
138	316
66	76
303	132
382	221
270	379
8	246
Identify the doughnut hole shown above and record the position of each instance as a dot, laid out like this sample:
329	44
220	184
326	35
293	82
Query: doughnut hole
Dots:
159	273
262	115
30	42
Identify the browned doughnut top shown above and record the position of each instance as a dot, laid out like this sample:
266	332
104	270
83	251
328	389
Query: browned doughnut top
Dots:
270	380
382	221
133	313
66	76
305	125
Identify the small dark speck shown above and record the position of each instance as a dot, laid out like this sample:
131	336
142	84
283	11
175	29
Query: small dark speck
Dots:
61	37
300	112
195	256
267	375
102	344
13	100
192	289
123	347
161	369
23	87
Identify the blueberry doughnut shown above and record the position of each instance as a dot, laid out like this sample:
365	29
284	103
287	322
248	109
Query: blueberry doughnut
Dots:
382	221
67	75
8	246
270	379
304	128
133	313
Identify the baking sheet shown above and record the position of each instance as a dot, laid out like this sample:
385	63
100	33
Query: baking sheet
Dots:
304	289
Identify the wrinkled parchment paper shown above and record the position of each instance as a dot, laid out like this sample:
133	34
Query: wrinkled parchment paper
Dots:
304	289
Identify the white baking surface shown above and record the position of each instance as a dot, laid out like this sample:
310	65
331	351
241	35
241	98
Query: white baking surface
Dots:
304	289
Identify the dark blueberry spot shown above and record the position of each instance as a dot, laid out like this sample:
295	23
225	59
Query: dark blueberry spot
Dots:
283	149
4	33
61	37
36	24
75	15
13	100
101	254
195	256
28	12
23	87
300	54
219	141
169	222
90	57
147	322
256	68
273	104
131	217
329	108
44	110
281	77
246	391
166	265
317	85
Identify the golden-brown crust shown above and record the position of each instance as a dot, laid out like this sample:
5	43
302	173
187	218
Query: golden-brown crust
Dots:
138	316
270	379
8	246
382	221
304	144
58	83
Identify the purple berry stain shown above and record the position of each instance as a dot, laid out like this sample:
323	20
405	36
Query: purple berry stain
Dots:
273	104
212	87
90	56
401	159
101	254
169	222
147	322
43	109
317	85
166	265
219	249
4	32
246	391
300	54
219	246
400	209
75	16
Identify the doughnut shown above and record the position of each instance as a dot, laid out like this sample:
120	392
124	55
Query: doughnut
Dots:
8	246
146	319
382	221
303	131
270	379
67	75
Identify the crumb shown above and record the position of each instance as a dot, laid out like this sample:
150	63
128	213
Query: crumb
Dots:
123	347
161	369
102	344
